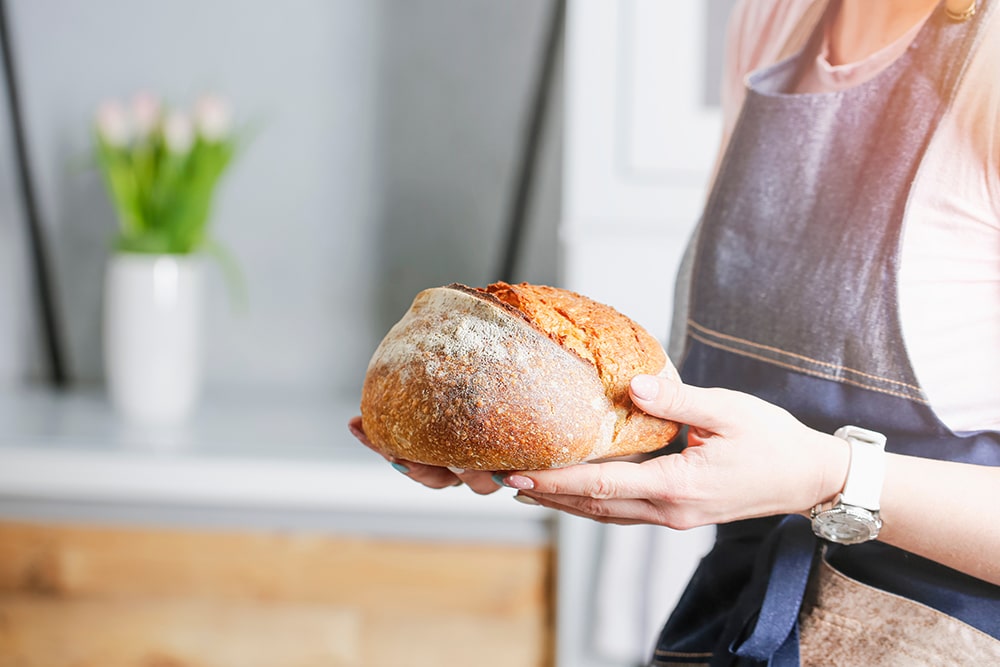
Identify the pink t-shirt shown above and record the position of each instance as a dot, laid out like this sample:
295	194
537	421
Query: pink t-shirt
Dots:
949	280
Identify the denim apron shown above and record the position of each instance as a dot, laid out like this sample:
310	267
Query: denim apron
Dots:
794	299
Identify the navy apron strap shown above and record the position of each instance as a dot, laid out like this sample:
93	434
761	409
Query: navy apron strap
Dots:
774	613
787	654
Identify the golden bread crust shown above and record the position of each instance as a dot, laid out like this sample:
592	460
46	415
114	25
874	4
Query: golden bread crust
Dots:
510	377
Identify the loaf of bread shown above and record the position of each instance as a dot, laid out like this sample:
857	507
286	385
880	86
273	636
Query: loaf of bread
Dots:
511	377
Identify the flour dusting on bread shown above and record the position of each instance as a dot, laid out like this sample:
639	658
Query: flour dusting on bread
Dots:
510	377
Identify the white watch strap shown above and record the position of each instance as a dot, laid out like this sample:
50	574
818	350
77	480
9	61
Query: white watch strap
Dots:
866	472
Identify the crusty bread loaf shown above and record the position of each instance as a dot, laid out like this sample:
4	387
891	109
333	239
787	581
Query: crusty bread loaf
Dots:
510	377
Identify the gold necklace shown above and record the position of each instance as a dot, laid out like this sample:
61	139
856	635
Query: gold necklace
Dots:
960	10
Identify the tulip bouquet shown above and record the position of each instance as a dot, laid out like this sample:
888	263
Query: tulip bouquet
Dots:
161	167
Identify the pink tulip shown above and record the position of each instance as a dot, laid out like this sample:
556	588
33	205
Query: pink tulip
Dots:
145	113
212	117
178	132
113	123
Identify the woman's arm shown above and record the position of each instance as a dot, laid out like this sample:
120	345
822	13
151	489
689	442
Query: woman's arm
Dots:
944	511
749	458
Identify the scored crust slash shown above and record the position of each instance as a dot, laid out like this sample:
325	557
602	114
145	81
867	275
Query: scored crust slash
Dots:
511	377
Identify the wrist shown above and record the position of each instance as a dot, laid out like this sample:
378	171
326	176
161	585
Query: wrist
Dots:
854	517
833	464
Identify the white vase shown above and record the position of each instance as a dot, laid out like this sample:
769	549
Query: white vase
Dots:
152	335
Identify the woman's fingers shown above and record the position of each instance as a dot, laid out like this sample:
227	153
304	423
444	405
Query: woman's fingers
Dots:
481	482
620	512
710	409
435	477
430	476
358	431
600	481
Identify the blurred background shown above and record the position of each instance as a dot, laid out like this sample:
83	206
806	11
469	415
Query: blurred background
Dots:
382	153
386	146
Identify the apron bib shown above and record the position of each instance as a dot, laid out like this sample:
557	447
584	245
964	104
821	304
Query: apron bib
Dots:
794	299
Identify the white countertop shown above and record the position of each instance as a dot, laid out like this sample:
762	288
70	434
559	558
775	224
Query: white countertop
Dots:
259	455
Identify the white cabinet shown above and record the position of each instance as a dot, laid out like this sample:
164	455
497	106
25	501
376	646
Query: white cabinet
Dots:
640	144
259	533
639	148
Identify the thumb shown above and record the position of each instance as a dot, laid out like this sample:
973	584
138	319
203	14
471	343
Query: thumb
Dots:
671	399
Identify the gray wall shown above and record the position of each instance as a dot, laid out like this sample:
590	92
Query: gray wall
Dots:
381	164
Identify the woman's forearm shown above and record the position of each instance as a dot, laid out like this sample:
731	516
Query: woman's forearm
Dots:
944	511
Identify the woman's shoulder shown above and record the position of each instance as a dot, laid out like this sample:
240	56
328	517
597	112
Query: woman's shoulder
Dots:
759	30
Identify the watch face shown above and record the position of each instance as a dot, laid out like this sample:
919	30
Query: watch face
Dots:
844	526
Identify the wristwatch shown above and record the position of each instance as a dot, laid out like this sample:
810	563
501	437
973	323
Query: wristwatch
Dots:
853	516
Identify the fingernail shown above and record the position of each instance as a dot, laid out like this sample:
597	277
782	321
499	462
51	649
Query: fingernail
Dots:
499	478
645	387
527	500
519	482
457	471
400	467
355	431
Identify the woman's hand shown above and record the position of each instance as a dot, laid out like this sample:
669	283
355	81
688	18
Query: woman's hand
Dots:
431	476
745	458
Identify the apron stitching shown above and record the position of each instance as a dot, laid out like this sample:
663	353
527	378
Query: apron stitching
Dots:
806	371
828	364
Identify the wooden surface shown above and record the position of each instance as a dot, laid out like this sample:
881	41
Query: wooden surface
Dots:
74	596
